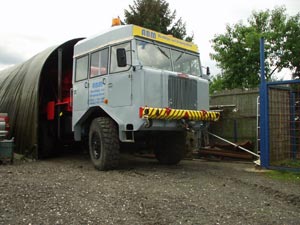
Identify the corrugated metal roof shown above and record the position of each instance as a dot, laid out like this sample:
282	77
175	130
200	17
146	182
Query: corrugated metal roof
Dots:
19	90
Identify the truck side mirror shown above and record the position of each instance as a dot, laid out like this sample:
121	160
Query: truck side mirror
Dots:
121	57
207	71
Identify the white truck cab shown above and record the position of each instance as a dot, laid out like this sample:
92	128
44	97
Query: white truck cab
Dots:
132	83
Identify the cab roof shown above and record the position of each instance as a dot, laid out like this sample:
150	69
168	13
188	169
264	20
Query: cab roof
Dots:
120	33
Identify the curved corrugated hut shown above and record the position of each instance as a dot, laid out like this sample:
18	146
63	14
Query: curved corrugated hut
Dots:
25	90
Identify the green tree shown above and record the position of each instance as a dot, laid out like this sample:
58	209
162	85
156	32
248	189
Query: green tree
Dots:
156	15
237	51
216	84
292	45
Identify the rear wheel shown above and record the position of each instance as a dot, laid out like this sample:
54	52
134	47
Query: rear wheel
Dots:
170	147
104	143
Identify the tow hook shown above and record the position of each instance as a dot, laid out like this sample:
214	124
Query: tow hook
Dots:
188	126
148	122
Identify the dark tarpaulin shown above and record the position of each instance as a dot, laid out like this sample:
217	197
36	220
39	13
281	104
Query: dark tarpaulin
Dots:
19	90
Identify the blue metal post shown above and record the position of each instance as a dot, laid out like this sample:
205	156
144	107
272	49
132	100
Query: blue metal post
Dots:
264	120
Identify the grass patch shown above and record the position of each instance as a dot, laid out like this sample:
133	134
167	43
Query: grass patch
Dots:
289	163
284	175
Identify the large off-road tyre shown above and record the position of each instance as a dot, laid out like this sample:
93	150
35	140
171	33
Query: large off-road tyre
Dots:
104	143
170	148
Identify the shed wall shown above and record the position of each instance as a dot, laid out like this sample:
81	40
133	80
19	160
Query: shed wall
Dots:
238	123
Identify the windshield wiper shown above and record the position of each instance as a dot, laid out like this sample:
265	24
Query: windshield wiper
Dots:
163	52
179	57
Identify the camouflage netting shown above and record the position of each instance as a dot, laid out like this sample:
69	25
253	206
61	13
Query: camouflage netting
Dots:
19	96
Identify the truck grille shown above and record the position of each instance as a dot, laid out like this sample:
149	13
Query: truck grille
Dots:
182	93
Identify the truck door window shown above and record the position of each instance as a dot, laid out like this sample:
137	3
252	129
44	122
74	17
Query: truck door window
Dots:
99	62
81	71
113	60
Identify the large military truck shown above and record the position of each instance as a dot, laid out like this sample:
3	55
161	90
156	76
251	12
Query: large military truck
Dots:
125	86
133	84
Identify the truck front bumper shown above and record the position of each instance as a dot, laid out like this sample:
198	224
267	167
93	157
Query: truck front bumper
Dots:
178	114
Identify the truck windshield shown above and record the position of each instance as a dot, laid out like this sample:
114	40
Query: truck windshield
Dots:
160	57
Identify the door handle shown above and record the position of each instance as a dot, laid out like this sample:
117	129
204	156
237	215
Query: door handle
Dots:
86	84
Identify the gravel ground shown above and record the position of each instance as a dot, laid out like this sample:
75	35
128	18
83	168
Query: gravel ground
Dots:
68	190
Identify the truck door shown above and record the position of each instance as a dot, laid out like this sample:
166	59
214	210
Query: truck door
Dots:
98	77
80	88
119	83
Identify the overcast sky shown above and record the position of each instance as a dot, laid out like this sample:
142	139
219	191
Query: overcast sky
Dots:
30	26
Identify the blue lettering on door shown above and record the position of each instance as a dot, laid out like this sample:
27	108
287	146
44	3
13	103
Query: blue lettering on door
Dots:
96	93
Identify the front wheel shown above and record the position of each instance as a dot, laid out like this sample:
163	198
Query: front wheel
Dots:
170	147
104	143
